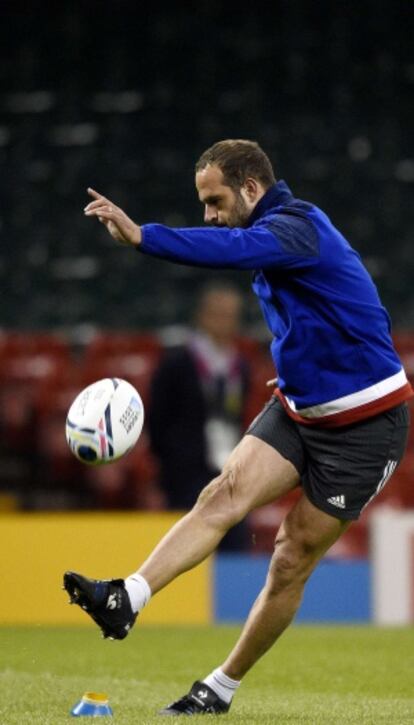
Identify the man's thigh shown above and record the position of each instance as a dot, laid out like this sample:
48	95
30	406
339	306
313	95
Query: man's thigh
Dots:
253	475
273	426
258	473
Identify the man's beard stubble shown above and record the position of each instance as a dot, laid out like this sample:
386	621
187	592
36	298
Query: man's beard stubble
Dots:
239	214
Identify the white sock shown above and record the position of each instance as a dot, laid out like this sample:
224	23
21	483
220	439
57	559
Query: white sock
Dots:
222	685
138	590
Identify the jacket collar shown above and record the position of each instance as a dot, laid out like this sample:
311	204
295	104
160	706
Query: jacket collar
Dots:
277	194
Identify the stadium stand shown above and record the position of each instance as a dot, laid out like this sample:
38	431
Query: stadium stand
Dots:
334	113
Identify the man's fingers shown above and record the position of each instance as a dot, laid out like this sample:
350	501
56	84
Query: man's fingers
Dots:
119	225
97	207
97	203
98	199
105	211
95	194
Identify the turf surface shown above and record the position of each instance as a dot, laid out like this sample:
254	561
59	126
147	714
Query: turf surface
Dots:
314	675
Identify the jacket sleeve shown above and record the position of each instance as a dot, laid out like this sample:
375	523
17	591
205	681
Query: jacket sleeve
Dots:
280	242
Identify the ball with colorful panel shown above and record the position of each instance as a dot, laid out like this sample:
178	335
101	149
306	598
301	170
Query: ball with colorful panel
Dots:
104	421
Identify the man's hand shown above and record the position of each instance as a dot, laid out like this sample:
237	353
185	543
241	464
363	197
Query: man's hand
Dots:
118	224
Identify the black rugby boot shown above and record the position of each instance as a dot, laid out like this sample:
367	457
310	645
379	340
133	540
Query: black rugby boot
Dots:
105	600
201	700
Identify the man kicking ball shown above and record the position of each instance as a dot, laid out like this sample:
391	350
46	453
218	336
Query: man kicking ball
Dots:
336	424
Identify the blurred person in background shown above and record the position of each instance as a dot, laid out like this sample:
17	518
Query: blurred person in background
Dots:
337	424
198	395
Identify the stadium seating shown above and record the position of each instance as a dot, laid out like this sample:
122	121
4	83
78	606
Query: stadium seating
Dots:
123	355
27	361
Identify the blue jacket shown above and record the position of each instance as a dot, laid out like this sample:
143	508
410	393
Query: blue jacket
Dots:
331	345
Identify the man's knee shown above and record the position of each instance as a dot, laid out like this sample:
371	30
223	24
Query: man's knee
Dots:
292	563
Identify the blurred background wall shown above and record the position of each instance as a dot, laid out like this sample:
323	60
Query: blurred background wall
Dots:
123	97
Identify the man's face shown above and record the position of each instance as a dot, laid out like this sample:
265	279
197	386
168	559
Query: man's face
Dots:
223	206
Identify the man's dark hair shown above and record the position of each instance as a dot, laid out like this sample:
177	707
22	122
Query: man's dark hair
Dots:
238	159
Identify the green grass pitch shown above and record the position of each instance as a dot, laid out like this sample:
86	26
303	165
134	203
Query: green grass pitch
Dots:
320	674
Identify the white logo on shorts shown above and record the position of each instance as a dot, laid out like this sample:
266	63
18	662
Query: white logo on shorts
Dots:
338	501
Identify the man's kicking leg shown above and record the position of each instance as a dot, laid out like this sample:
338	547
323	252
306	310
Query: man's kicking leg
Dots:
254	474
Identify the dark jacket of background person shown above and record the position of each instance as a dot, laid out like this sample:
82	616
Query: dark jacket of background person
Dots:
196	411
181	406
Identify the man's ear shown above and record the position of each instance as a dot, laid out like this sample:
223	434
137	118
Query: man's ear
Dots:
252	190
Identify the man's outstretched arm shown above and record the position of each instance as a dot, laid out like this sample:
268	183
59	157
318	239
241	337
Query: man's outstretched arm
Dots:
259	246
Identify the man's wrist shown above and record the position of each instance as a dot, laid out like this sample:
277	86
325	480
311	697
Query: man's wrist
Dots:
136	236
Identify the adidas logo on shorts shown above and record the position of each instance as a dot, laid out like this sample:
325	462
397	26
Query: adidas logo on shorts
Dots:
338	501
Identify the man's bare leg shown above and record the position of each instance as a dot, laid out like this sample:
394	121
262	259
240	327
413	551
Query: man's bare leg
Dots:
254	475
305	535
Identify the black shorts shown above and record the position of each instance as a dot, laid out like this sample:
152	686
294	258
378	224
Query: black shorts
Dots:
341	469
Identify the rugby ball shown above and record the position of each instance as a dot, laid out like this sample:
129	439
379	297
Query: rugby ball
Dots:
104	421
